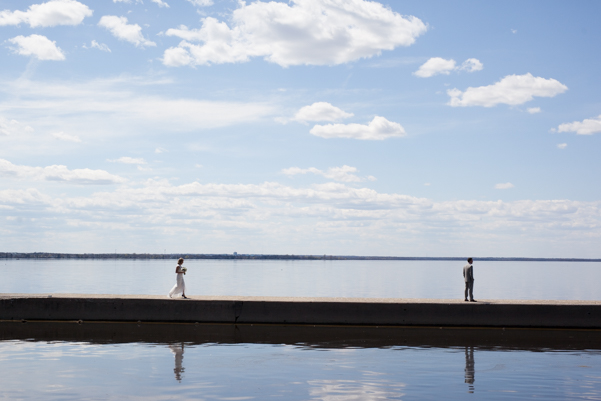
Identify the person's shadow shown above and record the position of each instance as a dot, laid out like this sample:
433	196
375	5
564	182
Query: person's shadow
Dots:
178	351
470	368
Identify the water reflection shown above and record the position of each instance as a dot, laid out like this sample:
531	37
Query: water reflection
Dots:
72	361
178	351
365	390
470	368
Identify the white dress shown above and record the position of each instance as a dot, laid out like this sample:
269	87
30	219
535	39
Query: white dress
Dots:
179	287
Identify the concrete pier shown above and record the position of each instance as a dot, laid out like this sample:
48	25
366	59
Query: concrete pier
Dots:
303	311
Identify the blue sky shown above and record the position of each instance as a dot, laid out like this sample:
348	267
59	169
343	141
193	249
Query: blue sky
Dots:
303	127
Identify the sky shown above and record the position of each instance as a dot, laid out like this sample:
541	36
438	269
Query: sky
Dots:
338	127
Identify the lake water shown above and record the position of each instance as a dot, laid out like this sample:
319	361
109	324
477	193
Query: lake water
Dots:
99	361
67	361
349	278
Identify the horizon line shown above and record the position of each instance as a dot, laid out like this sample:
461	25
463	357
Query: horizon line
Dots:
235	255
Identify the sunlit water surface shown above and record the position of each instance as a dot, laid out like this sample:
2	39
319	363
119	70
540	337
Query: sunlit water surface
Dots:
84	371
349	278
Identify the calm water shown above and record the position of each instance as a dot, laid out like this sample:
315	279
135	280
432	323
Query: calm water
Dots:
385	279
51	364
91	361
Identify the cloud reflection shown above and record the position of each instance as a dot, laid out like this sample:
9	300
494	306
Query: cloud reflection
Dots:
347	390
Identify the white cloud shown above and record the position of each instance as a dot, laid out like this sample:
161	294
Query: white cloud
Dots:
435	66
12	127
160	150
533	110
66	137
37	46
438	65
52	13
127	160
343	174
99	46
116	106
59	173
588	126
511	90
472	65
119	27
562	145
201	3
506	185
311	32
378	129
160	3
321	111
331	215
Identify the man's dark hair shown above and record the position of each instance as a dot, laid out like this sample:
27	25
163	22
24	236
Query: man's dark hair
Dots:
470	260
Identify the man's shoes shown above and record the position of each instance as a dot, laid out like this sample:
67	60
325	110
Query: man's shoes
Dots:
465	300
473	300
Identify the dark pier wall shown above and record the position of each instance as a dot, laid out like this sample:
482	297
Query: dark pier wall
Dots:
311	311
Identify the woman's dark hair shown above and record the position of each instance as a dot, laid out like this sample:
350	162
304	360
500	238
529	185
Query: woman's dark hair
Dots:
180	261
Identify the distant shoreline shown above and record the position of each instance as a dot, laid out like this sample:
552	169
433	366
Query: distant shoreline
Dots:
48	255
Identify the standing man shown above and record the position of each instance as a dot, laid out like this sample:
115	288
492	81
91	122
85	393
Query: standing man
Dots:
468	277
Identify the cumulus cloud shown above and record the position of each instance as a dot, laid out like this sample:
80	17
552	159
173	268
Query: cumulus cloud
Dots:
160	3
435	66
378	129
127	160
37	46
511	90
52	13
438	65
66	137
533	110
342	174
59	173
311	32
562	145
333	215
472	65
120	29
506	185
99	46
201	3
12	127
587	126
321	111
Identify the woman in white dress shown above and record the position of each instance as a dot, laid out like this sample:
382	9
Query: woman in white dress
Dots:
180	285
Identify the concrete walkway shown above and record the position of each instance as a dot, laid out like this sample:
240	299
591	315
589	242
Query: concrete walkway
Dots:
296	310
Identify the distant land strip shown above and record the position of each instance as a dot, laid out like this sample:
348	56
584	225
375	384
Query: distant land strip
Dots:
48	255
